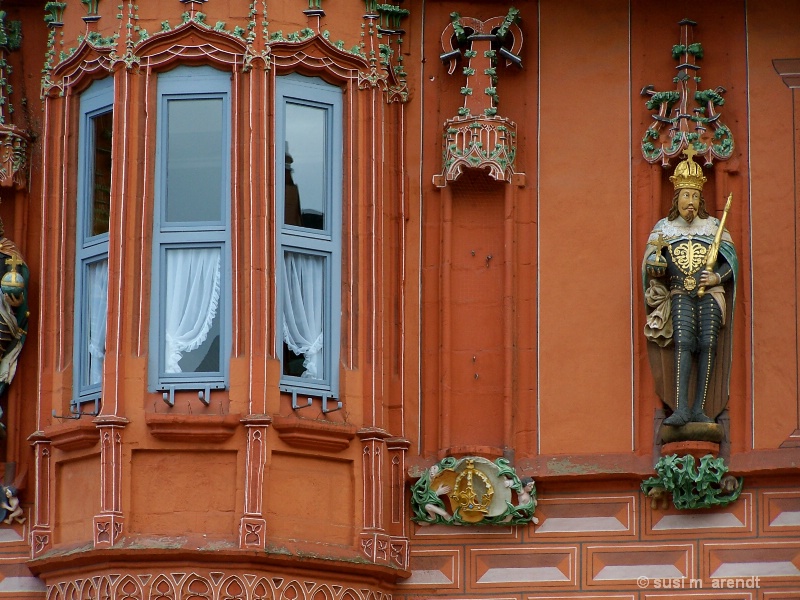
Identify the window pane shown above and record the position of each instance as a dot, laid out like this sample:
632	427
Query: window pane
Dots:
191	321
100	179
195	168
305	166
303	315
95	309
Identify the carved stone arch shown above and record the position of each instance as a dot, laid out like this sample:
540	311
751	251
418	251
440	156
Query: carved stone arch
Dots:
162	588
127	588
191	43
104	588
262	590
321	592
196	587
373	595
293	591
317	57
233	588
72	590
350	594
88	590
55	592
77	72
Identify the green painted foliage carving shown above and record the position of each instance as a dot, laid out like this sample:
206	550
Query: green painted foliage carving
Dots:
693	486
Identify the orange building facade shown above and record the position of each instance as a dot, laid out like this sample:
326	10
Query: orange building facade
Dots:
285	257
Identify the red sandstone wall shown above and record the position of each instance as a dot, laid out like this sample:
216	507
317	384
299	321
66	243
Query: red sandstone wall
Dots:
563	385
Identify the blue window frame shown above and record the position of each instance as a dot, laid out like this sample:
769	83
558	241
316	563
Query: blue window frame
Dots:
95	137
308	140
190	318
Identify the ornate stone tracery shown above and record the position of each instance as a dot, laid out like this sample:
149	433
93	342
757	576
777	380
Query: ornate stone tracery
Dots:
677	125
13	140
478	137
210	585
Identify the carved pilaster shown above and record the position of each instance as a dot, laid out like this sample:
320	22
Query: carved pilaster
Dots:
42	528
374	541
253	524
398	544
108	525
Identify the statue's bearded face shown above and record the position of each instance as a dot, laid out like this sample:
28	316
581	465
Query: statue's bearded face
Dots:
688	203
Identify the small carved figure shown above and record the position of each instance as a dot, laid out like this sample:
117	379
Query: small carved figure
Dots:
526	499
657	494
437	508
433	508
10	503
728	484
689	276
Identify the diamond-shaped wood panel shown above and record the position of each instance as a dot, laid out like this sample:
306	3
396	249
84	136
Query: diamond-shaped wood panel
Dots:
586	516
440	569
623	565
778	561
780	513
521	566
734	519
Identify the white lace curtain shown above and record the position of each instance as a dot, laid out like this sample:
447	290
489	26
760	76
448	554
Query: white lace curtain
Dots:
303	307
97	284
191	301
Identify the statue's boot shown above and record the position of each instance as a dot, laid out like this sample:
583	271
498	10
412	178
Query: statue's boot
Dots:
683	368
710	319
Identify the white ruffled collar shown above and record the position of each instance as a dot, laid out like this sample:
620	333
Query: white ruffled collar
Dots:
680	228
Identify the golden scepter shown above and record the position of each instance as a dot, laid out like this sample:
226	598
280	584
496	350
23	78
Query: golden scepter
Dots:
713	250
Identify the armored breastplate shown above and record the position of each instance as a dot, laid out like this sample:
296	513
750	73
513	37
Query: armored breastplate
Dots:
687	257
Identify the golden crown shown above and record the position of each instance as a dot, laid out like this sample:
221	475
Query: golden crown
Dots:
688	174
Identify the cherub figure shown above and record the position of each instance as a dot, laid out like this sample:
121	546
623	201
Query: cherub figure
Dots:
11	505
437	508
427	504
526	501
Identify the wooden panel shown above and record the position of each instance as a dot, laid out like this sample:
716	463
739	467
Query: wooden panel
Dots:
77	496
439	569
772	34
499	568
585	354
293	513
200	487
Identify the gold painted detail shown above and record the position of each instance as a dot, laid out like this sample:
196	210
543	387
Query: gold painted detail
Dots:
689	283
472	493
689	256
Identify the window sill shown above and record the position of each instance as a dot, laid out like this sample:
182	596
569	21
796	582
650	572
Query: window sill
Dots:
192	428
78	434
314	434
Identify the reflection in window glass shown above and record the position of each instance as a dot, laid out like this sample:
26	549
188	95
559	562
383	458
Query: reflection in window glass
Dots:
195	162
101	175
305	166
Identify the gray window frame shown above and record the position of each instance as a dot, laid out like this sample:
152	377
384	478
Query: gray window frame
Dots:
190	83
327	242
96	101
